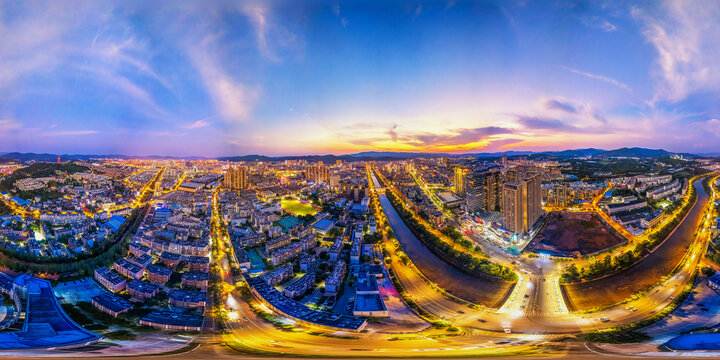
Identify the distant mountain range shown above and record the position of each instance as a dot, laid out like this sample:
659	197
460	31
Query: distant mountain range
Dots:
372	155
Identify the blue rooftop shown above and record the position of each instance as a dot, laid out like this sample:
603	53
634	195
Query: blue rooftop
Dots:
115	222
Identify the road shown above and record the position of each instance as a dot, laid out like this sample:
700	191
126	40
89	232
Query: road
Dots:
536	305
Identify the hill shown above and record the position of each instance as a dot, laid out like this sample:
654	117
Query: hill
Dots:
39	170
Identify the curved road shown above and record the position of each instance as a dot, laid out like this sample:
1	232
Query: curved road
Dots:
648	271
467	287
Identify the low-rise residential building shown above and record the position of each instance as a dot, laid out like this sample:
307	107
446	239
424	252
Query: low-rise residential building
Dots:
158	274
300	286
109	279
276	243
141	290
128	269
195	279
286	253
198	263
188	299
172	320
169	259
111	304
334	281
278	275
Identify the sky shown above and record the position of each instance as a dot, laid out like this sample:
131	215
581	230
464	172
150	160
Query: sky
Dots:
207	78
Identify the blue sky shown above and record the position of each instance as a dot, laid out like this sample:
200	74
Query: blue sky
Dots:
315	77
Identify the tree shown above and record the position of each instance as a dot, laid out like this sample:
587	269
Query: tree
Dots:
707	271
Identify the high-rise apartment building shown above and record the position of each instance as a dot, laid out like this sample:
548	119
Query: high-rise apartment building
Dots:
484	191
236	178
317	173
460	180
493	190
475	193
522	202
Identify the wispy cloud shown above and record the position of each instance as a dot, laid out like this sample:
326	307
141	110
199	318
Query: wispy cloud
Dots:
685	38
198	124
581	113
336	11
393	132
599	23
8	125
233	100
602	78
68	133
558	104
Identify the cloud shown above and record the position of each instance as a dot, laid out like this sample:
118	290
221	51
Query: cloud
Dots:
556	104
233	100
258	18
68	133
712	126
393	133
51	42
198	124
685	37
538	123
418	11
336	12
599	23
8	125
601	78
457	136
577	112
270	36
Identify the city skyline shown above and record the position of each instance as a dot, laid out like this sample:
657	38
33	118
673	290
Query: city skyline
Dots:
279	78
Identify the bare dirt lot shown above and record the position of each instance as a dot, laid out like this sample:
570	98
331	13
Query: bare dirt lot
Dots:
572	233
647	272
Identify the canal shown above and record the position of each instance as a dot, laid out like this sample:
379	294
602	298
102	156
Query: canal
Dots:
467	287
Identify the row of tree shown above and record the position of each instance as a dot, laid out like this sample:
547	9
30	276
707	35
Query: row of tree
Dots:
610	264
464	261
82	264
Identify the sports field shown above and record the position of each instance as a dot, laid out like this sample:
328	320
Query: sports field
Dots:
298	208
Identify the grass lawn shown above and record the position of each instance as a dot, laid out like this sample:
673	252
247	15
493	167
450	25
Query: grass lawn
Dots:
298	208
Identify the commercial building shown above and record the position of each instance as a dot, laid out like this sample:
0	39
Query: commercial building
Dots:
46	325
370	305
614	208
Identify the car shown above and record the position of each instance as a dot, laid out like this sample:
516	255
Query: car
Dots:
604	319
507	330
